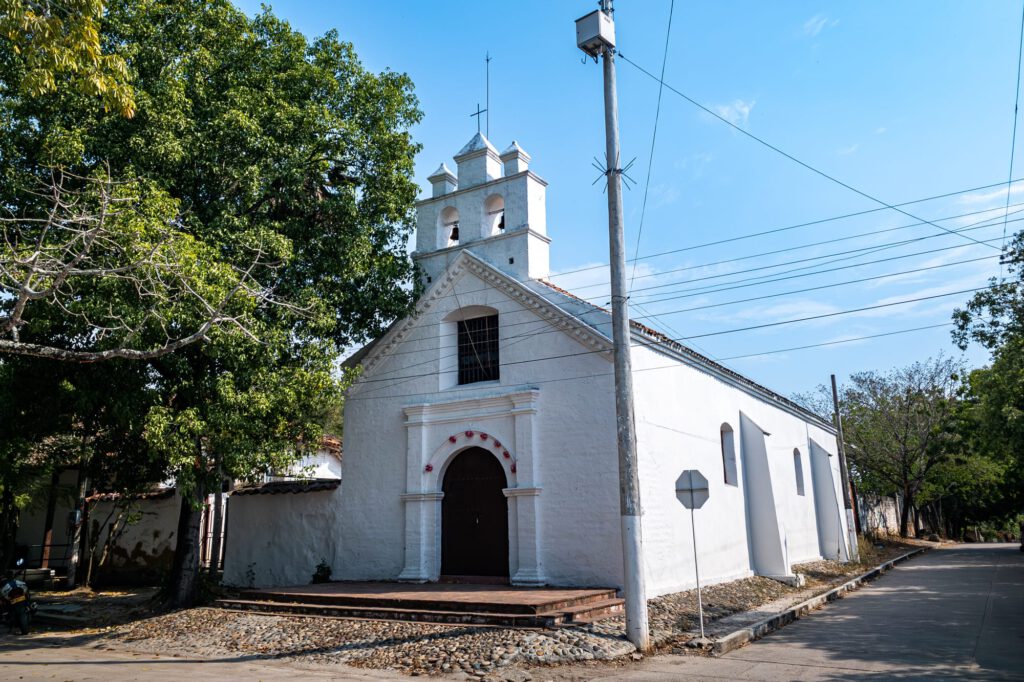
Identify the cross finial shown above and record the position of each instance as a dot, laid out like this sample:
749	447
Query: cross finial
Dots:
477	114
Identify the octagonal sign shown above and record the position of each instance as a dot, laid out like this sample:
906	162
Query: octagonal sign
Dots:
692	489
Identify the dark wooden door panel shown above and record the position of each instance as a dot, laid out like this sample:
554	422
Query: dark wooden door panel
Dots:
474	516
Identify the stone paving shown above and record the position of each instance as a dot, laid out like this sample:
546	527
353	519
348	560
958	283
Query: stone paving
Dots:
493	653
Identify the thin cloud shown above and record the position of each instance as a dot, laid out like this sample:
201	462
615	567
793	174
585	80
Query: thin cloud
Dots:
976	198
736	112
846	151
816	24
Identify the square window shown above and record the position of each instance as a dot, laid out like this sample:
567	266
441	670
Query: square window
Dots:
478	349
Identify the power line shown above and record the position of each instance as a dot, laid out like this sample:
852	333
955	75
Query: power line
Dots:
1013	138
656	344
743	284
808	245
811	223
654	137
833	285
787	155
822	316
836	256
839	341
673	366
534	320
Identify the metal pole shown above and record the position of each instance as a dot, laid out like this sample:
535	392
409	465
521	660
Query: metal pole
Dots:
696	568
487	100
851	525
629	485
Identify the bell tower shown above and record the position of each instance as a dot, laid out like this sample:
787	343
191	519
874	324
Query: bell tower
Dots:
493	205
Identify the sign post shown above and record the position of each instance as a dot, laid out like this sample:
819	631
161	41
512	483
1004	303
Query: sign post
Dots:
692	490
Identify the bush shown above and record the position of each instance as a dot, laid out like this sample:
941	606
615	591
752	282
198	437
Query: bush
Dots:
322	572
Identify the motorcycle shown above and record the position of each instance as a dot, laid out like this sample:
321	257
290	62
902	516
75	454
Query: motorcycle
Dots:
17	603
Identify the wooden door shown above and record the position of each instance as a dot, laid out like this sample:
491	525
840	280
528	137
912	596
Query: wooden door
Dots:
474	516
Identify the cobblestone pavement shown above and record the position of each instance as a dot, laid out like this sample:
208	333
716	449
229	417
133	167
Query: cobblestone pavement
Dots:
347	646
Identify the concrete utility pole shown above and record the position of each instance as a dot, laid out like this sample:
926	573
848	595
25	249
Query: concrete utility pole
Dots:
851	524
596	35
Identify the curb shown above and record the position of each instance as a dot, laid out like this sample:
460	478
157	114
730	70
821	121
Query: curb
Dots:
735	640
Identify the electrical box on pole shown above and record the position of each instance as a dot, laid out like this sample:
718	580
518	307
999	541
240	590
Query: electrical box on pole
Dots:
595	33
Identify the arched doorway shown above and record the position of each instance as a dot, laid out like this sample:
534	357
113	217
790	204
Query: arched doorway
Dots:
474	516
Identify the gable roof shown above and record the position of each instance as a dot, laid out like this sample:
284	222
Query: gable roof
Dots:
656	340
588	324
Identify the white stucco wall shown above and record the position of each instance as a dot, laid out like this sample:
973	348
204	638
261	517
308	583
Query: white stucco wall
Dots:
144	548
277	540
679	412
564	448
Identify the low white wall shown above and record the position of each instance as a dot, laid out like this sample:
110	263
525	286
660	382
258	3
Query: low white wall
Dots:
878	515
275	540
143	549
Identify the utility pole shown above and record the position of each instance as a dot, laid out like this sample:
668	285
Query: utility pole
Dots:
851	524
595	35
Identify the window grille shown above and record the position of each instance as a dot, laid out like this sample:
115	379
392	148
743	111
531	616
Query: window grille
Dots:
478	349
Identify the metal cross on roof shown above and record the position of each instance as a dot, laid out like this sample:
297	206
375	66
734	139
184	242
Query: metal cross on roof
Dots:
477	114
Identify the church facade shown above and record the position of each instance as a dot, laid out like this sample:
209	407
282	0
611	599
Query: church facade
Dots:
480	437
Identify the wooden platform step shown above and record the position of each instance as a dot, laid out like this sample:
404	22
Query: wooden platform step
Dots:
500	602
550	619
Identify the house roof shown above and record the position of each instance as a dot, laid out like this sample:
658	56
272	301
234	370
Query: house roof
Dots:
158	494
290	487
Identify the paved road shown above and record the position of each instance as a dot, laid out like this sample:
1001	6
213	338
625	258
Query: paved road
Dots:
953	613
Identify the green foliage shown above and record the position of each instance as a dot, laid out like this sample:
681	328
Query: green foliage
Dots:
58	41
992	419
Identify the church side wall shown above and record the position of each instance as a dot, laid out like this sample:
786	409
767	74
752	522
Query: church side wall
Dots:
572	447
680	411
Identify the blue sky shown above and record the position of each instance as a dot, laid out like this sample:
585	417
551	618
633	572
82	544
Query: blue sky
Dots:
901	100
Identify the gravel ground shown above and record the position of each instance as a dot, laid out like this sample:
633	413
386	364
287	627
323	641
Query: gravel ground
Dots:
421	648
417	648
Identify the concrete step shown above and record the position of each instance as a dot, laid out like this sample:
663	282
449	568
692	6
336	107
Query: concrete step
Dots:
418	614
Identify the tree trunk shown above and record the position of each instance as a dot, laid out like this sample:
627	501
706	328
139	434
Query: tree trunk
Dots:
8	526
908	504
80	539
51	511
218	521
185	573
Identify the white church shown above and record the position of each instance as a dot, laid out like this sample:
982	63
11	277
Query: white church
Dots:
480	437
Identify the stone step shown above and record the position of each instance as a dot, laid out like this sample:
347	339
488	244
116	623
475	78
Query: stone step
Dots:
588	613
436	603
369	612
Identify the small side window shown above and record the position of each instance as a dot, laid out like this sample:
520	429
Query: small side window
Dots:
798	469
728	455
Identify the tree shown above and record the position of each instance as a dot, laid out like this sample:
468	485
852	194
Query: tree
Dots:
266	143
898	424
55	416
993	420
110	276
